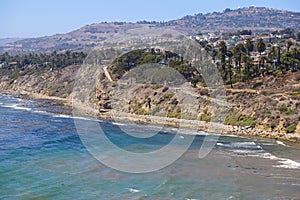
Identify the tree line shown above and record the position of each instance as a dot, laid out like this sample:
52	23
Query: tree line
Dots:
54	60
238	64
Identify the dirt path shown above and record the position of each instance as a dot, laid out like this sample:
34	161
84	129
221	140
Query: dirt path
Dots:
107	74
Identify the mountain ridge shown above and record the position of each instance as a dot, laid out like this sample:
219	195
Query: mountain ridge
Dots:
257	19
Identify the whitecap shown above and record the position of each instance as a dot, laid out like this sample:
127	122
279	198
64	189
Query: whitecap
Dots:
280	143
288	164
118	124
17	107
74	117
41	111
133	190
284	162
63	116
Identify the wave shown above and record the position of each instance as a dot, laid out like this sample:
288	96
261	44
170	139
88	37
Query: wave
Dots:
240	145
280	143
41	111
251	149
288	163
133	190
17	107
75	117
118	124
283	162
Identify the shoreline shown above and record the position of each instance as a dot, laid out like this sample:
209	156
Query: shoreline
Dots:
210	127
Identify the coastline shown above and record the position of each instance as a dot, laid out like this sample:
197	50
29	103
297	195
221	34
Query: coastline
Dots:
172	122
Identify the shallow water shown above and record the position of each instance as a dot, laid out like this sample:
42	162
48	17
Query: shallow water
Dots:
42	157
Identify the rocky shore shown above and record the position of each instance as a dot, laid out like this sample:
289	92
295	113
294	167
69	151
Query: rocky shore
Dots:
210	127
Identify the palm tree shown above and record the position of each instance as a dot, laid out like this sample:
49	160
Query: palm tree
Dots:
213	54
238	51
260	46
249	46
289	43
223	51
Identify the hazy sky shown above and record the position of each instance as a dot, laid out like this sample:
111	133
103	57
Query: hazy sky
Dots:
33	18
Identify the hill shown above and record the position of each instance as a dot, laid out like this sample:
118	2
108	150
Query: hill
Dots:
257	19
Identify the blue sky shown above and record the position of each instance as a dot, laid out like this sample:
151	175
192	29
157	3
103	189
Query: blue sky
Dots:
33	18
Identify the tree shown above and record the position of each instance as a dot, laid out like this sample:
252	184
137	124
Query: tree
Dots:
208	48
213	54
289	43
223	51
249	46
238	51
260	46
272	56
230	74
229	54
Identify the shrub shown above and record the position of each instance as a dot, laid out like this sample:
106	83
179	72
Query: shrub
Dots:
291	128
167	96
273	125
266	112
237	119
14	75
205	117
289	112
174	115
257	84
282	109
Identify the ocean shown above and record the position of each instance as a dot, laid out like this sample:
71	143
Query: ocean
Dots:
42	156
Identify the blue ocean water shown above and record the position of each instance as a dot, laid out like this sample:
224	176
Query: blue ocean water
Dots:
42	157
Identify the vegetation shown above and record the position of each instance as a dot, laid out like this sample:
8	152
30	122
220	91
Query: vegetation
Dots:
18	65
165	58
251	59
291	128
42	60
238	119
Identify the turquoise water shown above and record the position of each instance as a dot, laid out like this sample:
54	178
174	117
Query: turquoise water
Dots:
42	157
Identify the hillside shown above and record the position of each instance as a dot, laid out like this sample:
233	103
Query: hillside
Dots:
258	19
265	102
87	37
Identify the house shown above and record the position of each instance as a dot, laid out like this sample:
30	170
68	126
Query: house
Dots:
246	37
268	38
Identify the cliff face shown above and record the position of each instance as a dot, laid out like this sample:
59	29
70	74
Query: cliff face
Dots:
274	102
268	103
56	83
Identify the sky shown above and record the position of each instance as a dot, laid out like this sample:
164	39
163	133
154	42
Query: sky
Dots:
35	18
